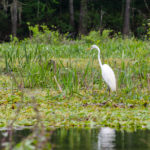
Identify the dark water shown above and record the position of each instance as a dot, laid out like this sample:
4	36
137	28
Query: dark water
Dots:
93	139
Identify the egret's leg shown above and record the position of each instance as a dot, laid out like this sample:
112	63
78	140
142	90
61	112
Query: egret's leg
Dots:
109	90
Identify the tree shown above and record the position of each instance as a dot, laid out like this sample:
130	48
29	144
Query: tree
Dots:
83	17
14	17
16	10
5	5
71	10
126	25
146	5
101	20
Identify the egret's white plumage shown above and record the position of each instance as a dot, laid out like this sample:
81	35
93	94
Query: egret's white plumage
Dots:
107	73
109	77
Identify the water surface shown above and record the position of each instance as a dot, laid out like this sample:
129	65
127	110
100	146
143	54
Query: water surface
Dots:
100	139
92	139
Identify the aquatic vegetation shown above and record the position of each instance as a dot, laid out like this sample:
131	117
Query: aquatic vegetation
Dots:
68	86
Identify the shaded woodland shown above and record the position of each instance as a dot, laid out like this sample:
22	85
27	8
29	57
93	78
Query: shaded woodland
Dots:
76	17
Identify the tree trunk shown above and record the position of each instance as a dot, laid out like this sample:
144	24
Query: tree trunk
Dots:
126	26
5	5
101	21
71	9
146	5
14	17
83	17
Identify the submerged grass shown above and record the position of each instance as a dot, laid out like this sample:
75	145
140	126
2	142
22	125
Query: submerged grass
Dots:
66	81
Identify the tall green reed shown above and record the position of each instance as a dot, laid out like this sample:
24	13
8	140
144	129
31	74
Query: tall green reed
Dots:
128	58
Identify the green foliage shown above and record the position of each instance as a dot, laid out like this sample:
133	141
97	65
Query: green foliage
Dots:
148	30
31	143
94	37
45	35
56	13
31	62
83	92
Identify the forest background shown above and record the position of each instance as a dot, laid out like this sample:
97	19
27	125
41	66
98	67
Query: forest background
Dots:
75	17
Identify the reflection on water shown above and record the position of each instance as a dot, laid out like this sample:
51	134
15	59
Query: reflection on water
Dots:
100	139
91	139
106	139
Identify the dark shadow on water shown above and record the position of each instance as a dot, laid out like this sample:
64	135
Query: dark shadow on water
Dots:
91	139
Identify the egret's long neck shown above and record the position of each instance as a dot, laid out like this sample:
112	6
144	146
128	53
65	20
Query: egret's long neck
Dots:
100	63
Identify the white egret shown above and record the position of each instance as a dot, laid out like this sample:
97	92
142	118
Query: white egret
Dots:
107	73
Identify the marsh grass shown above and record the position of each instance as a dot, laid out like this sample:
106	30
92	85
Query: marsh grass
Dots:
43	69
77	68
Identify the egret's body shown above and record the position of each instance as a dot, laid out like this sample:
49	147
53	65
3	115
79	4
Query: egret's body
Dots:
107	73
109	77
